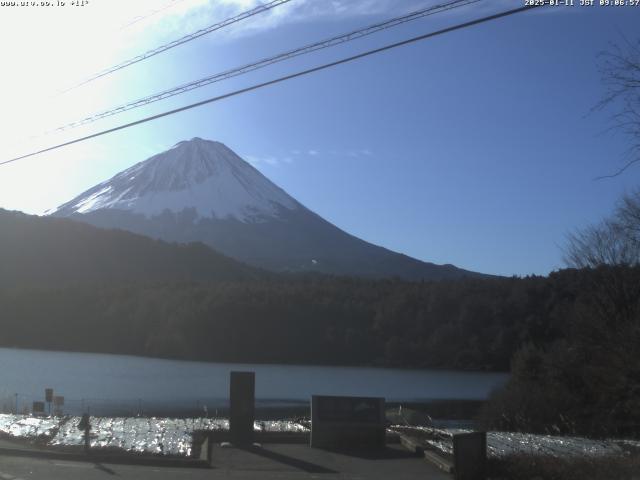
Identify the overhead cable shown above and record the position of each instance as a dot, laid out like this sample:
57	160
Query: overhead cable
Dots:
218	98
187	38
218	77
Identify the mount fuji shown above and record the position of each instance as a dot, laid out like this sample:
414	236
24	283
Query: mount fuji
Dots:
201	191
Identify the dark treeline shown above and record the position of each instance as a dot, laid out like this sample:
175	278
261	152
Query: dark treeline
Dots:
585	379
474	324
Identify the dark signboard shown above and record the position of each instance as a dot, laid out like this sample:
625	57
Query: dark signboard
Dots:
347	422
38	407
348	409
48	394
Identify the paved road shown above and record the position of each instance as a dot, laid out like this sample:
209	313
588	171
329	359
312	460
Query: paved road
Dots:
270	462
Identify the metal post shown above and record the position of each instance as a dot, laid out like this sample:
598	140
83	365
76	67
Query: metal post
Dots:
85	425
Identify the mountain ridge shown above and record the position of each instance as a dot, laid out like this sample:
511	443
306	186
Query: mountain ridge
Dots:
200	190
49	251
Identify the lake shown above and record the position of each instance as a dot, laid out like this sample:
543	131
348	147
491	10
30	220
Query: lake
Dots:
120	384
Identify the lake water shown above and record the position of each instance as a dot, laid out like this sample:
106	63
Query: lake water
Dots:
120	384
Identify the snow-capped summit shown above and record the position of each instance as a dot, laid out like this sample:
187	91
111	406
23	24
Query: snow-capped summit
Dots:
201	191
197	174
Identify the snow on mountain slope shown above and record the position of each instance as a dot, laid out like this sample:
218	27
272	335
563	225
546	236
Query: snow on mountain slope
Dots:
199	174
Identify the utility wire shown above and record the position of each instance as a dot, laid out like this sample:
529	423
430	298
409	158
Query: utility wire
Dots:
187	38
425	36
322	44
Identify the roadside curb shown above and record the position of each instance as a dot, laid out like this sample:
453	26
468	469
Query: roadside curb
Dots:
106	457
417	448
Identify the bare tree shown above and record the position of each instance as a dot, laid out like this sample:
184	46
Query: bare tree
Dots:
629	215
620	71
614	241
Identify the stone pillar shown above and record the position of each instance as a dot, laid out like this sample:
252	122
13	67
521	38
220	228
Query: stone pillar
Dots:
242	412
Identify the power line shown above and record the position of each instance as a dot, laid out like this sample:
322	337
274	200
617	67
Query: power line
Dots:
320	45
187	38
281	79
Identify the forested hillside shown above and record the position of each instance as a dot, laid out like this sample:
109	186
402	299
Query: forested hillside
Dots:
469	324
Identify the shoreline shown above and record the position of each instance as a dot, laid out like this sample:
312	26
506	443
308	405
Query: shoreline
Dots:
252	363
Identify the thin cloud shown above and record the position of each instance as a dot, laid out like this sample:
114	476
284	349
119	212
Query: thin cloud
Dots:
363	152
197	13
270	160
187	16
292	157
312	152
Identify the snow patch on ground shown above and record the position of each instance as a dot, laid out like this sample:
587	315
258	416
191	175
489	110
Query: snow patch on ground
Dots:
159	436
501	444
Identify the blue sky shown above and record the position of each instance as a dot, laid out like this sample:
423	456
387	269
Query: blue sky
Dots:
475	148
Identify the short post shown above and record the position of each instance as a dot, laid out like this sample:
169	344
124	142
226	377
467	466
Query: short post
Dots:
209	453
470	456
85	424
242	411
